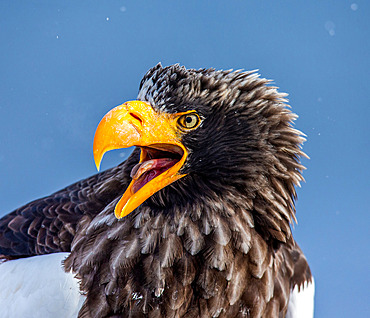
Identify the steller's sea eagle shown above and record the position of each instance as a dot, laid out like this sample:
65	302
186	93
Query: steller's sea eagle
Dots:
195	223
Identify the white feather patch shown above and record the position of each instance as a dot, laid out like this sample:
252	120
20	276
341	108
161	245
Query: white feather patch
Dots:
144	90
38	287
301	303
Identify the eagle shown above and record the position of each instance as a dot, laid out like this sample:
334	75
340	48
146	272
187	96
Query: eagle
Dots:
195	223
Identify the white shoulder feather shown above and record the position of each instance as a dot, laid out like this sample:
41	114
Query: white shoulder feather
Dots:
301	302
38	287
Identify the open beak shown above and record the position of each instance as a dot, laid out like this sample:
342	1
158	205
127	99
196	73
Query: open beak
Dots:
135	123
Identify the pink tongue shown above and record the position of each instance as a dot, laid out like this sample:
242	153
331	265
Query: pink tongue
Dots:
145	171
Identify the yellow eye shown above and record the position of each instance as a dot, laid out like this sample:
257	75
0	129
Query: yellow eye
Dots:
189	121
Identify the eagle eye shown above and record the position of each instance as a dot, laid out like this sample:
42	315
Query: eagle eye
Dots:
189	121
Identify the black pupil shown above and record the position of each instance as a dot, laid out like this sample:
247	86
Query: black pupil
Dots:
189	119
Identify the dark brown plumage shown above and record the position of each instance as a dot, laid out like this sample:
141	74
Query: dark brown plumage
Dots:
215	243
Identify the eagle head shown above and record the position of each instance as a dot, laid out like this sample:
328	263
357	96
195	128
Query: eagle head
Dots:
216	133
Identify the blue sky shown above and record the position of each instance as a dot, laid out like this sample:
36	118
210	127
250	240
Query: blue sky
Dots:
64	64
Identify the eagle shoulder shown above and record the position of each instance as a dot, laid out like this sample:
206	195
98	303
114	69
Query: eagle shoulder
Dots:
48	225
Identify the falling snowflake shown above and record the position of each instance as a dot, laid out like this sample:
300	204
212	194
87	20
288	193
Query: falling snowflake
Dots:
354	6
330	27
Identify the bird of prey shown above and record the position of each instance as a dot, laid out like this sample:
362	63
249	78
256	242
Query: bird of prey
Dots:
195	223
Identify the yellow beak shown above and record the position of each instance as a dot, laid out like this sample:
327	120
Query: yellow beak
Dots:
135	123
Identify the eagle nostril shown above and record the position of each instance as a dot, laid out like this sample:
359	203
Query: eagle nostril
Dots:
136	117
